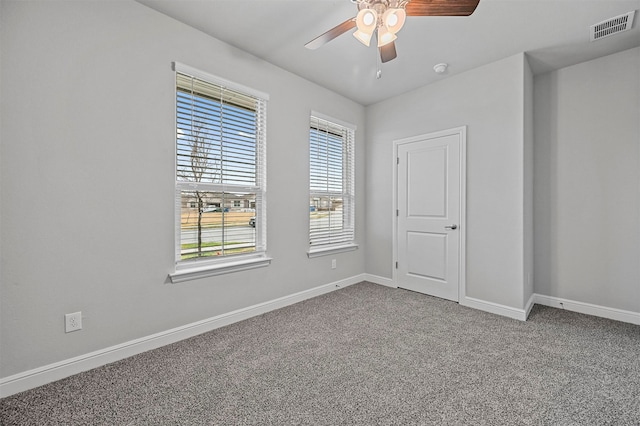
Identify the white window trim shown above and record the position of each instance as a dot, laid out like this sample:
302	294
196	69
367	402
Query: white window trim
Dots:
333	120
193	72
328	250
187	272
191	270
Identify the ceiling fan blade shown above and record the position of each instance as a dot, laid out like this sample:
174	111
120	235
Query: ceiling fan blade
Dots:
388	52
441	7
331	34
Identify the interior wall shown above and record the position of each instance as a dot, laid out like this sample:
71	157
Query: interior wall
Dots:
587	182
489	100
87	179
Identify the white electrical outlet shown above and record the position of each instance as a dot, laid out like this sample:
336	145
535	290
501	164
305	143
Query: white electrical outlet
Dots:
334	264
72	322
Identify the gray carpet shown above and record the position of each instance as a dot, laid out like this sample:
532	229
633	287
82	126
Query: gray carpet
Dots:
364	355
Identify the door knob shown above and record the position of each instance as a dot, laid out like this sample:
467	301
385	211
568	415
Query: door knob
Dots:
451	227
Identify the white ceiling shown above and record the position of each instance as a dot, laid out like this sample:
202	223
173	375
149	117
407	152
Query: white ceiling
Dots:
554	33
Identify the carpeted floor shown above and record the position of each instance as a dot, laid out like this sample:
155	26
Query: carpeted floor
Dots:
366	355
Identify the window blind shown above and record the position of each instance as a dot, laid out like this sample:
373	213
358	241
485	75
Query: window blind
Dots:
331	183
217	134
220	170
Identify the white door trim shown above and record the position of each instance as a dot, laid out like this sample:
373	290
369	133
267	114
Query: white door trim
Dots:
462	234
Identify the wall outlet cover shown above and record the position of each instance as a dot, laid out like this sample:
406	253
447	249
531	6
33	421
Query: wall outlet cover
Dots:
72	322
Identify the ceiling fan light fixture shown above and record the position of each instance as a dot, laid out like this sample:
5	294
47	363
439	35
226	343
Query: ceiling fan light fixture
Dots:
394	19
362	37
385	36
387	17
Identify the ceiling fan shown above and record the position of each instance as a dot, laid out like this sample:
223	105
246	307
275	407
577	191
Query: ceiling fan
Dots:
386	18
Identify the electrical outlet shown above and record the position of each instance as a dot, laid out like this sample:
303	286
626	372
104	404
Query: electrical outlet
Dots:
334	264
72	322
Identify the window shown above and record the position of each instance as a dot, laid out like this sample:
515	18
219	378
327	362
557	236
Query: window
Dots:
331	185
220	174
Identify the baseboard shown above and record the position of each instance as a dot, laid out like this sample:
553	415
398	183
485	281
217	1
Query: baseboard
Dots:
494	308
387	282
588	308
529	305
59	370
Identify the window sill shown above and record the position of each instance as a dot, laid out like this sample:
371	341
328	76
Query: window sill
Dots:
194	273
326	251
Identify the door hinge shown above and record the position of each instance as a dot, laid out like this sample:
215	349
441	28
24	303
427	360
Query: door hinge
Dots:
396	265
397	212
397	160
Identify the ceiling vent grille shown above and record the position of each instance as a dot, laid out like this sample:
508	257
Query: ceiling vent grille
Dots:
612	26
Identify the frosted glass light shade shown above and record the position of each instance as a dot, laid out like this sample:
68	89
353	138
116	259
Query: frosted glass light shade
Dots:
394	19
385	36
366	20
362	37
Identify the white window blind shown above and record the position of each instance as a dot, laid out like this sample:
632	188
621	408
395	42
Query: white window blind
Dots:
331	183
220	169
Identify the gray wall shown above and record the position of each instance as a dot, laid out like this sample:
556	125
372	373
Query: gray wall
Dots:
490	101
587	182
87	179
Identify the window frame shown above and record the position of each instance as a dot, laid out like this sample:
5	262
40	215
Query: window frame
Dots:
189	269
347	194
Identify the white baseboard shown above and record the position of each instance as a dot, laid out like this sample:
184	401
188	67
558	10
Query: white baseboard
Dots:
588	308
529	305
59	370
494	308
387	282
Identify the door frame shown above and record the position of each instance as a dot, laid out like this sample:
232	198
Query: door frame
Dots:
462	222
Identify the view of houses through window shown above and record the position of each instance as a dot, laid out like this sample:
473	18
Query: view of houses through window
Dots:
216	223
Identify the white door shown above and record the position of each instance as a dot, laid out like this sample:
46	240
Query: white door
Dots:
429	202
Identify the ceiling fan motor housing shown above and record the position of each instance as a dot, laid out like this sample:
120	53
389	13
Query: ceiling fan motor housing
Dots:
380	6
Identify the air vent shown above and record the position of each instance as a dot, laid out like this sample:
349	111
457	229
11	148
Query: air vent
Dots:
612	26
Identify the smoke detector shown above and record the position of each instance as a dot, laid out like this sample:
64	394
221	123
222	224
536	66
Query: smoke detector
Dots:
440	68
612	26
